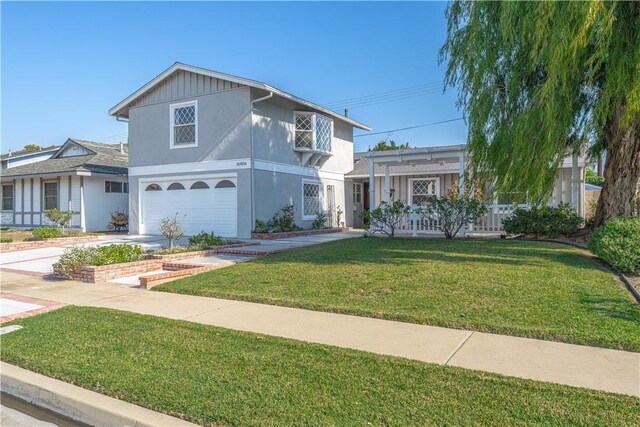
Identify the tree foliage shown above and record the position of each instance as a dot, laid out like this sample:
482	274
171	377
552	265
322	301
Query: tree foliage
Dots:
388	145
593	178
32	147
541	80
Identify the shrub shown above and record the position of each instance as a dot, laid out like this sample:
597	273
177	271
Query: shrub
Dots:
387	217
339	213
281	222
547	221
119	221
320	221
618	243
6	240
73	259
171	229
205	240
59	217
454	212
46	232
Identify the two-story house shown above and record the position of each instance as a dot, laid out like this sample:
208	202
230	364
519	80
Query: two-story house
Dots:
221	151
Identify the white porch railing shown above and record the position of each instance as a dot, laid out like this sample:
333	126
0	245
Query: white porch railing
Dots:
416	223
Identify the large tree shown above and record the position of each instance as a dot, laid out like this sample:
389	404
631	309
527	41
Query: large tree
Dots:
540	81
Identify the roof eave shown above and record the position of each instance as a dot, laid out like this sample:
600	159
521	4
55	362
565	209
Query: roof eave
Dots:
117	110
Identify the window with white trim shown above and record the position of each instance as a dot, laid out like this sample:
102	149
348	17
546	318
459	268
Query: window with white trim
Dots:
357	193
314	132
311	199
116	187
50	195
422	190
7	197
184	124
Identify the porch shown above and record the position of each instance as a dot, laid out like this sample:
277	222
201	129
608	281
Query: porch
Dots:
415	175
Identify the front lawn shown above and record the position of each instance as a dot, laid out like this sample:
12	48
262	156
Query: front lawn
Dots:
531	289
215	376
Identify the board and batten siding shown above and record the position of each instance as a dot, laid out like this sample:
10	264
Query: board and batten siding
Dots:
401	185
183	84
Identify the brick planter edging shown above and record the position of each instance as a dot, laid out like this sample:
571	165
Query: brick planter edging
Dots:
148	282
275	236
207	252
35	244
104	273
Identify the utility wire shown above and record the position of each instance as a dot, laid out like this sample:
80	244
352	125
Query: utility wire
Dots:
410	127
384	101
382	94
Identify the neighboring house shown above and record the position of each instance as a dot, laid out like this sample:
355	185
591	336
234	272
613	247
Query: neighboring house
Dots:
413	175
221	151
23	157
592	194
87	178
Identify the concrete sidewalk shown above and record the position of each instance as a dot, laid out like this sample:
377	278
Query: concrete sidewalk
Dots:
590	367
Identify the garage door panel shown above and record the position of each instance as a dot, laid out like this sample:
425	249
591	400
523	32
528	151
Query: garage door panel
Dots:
213	209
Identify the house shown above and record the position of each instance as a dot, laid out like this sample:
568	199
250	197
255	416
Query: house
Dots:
84	177
413	175
24	157
221	151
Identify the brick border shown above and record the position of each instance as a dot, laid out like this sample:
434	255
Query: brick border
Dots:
181	270
47	306
104	273
275	236
46	243
195	254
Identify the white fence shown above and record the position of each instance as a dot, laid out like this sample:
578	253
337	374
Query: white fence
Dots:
416	223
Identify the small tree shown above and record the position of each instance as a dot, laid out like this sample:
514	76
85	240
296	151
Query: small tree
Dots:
59	217
454	211
339	213
171	229
387	217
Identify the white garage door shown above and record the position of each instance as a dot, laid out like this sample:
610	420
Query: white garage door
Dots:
200	204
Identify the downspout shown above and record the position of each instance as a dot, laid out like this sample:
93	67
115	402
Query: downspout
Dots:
253	162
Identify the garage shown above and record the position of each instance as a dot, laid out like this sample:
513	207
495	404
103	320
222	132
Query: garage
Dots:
201	204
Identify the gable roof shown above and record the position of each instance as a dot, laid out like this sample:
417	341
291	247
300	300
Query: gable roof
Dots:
102	159
121	109
25	153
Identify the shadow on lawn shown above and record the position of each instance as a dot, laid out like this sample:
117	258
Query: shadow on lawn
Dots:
612	308
401	251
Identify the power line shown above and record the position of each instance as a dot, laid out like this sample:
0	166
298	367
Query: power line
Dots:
386	93
393	99
410	127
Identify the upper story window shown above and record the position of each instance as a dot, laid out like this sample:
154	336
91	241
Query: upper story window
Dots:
50	195
7	197
116	187
184	124
314	132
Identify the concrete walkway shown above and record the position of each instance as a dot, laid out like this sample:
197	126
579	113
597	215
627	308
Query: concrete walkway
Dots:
596	368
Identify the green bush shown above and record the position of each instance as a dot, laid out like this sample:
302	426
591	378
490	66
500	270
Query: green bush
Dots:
320	221
545	221
6	240
618	243
281	222
46	232
73	259
204	240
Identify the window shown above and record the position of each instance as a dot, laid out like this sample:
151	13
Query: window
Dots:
7	197
184	127
422	190
310	199
357	193
225	183
153	187
199	185
175	186
314	132
50	195
115	187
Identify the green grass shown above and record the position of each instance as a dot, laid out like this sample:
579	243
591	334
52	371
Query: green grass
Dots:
531	289
216	376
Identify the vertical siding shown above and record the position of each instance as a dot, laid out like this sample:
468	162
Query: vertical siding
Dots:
183	84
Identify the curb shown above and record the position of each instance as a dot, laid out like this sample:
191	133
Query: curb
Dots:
78	403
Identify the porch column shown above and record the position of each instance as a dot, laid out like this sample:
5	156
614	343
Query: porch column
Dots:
575	184
387	184
372	184
461	159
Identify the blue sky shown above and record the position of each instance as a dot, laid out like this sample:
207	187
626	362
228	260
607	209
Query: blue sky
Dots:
65	64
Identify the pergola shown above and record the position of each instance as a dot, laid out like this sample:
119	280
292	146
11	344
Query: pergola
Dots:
452	153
